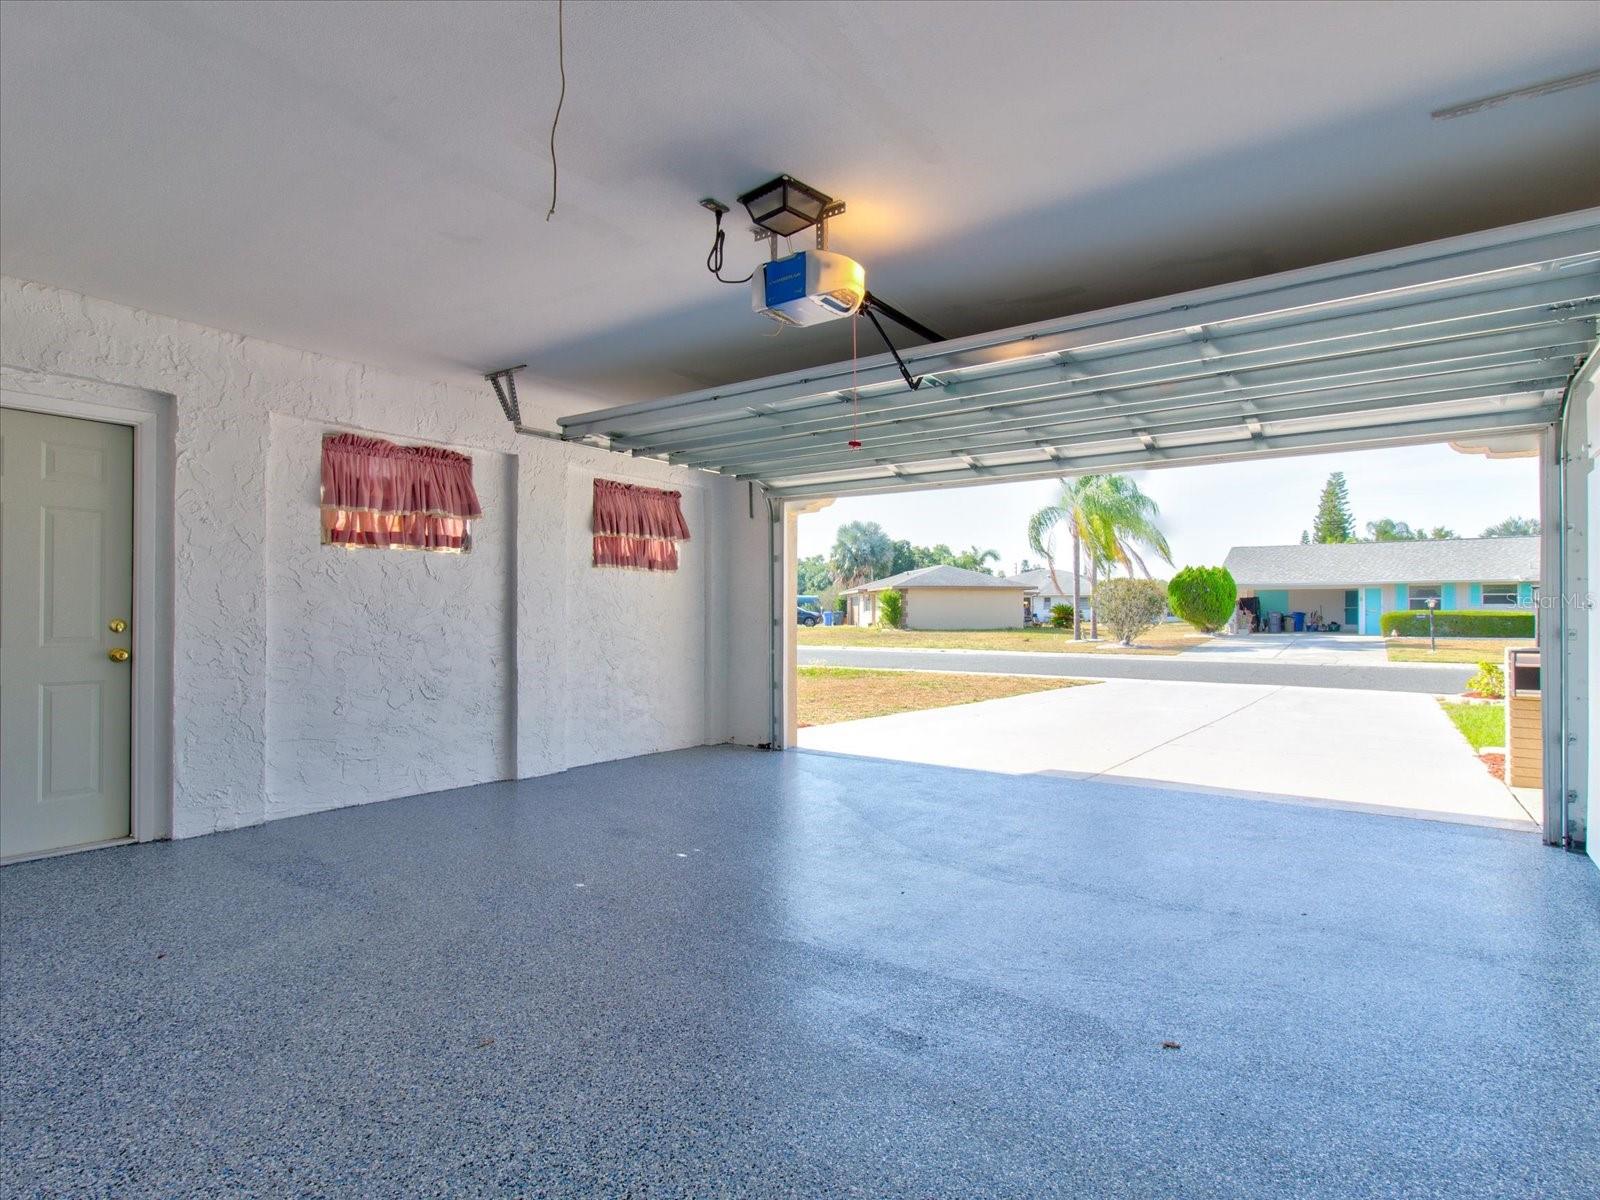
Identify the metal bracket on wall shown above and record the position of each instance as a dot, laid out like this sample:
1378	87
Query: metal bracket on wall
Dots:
504	382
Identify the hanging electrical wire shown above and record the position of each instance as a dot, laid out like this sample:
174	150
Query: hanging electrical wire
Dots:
714	258
561	61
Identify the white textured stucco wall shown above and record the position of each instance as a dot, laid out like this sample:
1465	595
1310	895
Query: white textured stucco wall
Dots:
631	635
413	650
516	660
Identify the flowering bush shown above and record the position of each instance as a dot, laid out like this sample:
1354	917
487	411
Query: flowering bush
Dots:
1489	681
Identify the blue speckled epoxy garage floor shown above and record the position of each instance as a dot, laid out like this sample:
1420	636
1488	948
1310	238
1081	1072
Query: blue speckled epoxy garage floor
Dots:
724	972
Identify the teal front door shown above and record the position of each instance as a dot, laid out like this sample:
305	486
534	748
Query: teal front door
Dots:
1374	610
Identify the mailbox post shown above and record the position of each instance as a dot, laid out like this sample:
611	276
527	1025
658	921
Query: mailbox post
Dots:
1524	731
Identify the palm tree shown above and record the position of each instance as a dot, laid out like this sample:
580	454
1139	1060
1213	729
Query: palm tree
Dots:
1069	510
862	552
976	559
1124	521
1130	518
1110	520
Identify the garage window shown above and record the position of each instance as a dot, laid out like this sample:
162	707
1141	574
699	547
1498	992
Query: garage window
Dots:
1419	596
1499	595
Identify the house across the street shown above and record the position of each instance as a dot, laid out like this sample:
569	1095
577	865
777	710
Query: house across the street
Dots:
1355	583
943	598
1043	595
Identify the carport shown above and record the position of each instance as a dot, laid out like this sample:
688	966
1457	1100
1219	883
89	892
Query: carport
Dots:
1486	341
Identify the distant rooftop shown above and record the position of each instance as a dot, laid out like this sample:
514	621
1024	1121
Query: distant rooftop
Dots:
1038	578
939	577
1347	564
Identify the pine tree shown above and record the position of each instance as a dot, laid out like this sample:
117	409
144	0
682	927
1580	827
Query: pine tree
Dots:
1334	522
1305	538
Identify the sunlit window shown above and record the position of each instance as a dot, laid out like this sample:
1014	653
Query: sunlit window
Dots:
1419	596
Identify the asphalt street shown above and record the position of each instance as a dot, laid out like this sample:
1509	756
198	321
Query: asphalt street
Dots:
1394	677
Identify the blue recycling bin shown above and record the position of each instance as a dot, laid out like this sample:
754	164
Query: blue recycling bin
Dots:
830	618
1299	621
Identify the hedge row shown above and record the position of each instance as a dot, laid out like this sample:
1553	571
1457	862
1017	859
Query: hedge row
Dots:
1459	623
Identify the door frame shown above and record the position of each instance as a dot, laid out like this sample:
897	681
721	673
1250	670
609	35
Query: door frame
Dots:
150	416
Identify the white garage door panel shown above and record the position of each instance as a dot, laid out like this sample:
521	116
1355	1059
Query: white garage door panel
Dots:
1471	335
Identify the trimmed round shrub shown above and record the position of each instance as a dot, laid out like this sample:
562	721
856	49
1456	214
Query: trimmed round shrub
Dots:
1061	615
891	608
1458	623
1128	607
1203	596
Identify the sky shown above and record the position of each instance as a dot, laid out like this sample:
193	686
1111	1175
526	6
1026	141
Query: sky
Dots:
1206	510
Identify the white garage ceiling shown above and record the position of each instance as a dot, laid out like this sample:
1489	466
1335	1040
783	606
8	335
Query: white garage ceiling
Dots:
371	181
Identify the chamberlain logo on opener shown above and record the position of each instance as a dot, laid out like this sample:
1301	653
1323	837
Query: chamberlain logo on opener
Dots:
784	280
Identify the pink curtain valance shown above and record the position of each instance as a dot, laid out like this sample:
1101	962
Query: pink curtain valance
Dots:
648	554
637	526
379	494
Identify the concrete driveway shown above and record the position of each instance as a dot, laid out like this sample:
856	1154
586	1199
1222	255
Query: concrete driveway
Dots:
1382	751
1303	649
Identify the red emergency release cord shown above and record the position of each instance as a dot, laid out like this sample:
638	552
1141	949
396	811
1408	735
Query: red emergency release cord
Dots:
855	392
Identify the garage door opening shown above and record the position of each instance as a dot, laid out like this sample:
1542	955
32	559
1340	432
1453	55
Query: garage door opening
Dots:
1487	340
945	629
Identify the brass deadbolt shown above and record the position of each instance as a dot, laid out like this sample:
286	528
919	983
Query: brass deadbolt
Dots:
118	625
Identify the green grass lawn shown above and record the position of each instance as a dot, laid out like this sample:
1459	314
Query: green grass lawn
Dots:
1452	650
1481	724
831	694
1172	637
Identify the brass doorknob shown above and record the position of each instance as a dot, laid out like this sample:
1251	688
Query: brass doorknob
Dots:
118	654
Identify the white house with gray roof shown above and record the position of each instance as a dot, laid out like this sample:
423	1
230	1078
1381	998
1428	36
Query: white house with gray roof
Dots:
1043	594
943	598
1354	583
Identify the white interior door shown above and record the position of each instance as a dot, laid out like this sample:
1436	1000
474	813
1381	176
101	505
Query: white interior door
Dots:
66	595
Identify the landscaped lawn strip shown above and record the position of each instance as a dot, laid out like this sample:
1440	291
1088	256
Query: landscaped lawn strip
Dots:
828	695
1452	650
1481	724
1172	637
